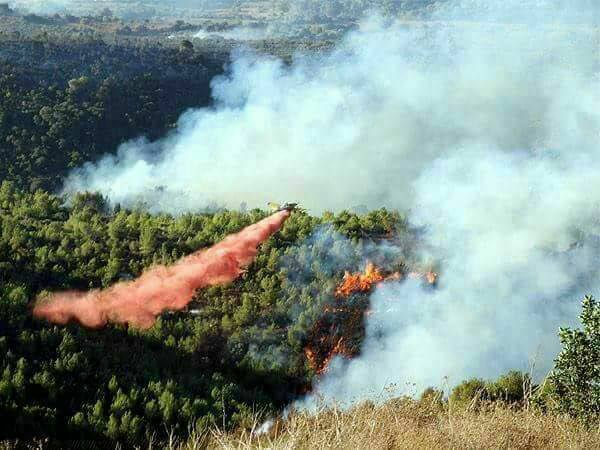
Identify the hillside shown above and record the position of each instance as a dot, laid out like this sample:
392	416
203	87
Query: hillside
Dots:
217	365
299	224
408	424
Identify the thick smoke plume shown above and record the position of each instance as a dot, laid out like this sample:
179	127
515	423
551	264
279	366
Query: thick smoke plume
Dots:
376	112
487	131
139	302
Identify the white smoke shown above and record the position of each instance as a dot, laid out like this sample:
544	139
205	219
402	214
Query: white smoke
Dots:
44	6
509	231
488	131
375	113
238	34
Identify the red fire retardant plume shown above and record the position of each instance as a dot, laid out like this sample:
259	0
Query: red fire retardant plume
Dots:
139	302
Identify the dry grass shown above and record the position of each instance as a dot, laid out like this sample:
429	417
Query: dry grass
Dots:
407	424
401	424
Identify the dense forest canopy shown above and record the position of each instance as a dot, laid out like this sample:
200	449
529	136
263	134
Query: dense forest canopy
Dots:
242	351
67	103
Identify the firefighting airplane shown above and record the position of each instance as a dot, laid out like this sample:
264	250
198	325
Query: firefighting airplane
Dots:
285	207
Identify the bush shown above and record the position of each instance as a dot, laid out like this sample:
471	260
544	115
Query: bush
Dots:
468	392
576	376
510	388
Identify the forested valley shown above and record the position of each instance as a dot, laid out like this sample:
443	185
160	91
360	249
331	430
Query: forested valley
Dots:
242	352
238	353
65	103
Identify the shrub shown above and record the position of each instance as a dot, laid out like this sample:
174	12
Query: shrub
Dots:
510	388
468	392
576	376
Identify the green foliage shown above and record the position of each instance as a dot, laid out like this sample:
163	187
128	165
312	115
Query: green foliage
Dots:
468	392
66	103
576	376
511	387
242	352
318	11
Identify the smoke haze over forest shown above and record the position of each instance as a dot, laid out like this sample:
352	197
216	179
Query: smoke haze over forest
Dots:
486	134
431	241
376	125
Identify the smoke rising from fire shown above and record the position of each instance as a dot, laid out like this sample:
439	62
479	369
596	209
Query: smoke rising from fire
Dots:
515	266
139	302
376	111
487	132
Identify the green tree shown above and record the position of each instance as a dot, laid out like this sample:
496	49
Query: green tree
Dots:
576	376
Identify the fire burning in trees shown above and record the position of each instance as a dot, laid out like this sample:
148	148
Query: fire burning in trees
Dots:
139	302
320	362
340	329
373	276
359	282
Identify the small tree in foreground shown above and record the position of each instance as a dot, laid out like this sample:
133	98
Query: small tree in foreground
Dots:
576	376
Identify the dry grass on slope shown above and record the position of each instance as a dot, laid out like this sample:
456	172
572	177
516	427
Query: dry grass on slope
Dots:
407	424
399	424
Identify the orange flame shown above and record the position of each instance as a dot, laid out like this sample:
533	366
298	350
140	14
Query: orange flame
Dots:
335	332
321	365
359	282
